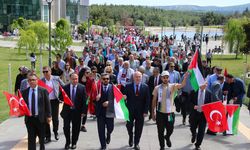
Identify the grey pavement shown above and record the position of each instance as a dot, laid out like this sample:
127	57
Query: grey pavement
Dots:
13	131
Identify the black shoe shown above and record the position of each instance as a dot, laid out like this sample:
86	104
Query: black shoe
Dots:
169	144
83	129
108	139
193	139
56	136
47	140
184	122
211	133
137	147
162	148
197	148
66	146
73	146
225	133
103	148
130	141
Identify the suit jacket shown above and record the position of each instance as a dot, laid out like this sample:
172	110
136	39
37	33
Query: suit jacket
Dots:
56	81
137	104
109	111
151	84
80	100
24	84
44	108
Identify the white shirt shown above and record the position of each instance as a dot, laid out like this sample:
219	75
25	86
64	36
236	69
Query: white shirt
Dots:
123	78
50	84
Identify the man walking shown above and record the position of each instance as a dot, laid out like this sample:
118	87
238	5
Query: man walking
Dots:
37	100
54	82
137	96
163	100
77	94
105	112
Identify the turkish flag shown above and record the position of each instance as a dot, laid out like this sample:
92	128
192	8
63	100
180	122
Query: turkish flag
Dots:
225	72
66	98
216	116
13	103
24	110
44	85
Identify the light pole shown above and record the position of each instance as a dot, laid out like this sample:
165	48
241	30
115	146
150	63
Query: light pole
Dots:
49	5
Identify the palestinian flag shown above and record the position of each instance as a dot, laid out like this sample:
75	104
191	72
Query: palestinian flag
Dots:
196	78
233	118
121	110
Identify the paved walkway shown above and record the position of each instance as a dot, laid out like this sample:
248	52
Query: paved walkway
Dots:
13	136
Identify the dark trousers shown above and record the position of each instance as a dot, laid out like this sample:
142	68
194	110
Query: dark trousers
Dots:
136	120
209	61
55	121
197	120
164	121
84	118
101	123
35	128
73	117
185	104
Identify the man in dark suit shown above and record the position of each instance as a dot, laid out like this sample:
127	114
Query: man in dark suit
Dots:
54	82
37	99
77	94
105	112
154	80
137	96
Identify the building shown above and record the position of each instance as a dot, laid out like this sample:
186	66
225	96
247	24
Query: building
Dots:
75	11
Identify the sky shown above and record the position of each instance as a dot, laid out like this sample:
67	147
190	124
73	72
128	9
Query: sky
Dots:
172	2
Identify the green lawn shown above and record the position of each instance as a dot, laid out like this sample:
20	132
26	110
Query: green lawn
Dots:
11	56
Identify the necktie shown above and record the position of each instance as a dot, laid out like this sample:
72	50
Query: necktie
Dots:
105	89
33	103
137	90
73	93
155	84
126	72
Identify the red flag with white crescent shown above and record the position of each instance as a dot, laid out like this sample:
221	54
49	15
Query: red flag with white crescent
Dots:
215	114
44	85
66	98
13	103
24	110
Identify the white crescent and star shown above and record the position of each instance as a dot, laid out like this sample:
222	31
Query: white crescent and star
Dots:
215	112
13	98
20	101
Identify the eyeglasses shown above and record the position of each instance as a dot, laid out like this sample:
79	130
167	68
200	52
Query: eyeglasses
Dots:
45	71
31	80
105	78
87	72
172	66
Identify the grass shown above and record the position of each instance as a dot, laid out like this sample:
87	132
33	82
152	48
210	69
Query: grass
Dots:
11	56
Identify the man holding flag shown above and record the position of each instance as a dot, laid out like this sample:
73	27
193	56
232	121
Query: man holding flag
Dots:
52	82
37	100
105	112
163	100
72	114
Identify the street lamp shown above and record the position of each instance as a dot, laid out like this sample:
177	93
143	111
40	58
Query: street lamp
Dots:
49	5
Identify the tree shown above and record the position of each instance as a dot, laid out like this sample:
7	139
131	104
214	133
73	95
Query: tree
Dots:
246	48
21	23
140	24
28	39
83	27
62	36
42	33
234	35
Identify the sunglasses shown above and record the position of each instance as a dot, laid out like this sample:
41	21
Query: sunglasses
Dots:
45	71
31	80
105	78
87	72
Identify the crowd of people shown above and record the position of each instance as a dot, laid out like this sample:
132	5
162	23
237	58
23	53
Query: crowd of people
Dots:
152	76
